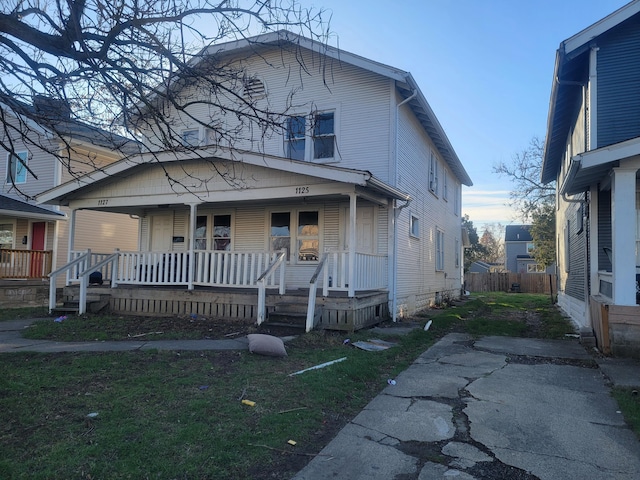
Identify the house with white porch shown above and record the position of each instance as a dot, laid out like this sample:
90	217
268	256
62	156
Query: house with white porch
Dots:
353	206
592	150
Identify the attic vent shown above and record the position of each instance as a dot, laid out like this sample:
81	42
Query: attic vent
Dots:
253	88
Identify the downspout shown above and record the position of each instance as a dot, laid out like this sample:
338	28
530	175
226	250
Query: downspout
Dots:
396	213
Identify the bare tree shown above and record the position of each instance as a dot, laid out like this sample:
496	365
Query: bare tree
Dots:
492	241
524	172
534	200
119	66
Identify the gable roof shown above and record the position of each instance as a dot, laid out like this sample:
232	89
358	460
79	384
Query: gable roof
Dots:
571	70
17	208
405	83
517	233
54	115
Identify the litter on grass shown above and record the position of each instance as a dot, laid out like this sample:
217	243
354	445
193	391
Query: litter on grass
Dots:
391	381
60	319
374	345
292	442
249	403
322	365
427	325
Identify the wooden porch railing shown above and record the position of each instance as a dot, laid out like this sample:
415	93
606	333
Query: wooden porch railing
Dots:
25	264
371	271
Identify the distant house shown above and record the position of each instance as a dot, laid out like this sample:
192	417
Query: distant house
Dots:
518	246
35	238
358	194
592	151
485	267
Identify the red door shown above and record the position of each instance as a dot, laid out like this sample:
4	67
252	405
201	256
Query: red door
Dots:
38	230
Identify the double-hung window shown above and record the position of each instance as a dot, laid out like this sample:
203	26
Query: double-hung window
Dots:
308	240
320	127
17	168
433	174
324	135
439	250
222	232
296	128
191	137
280	235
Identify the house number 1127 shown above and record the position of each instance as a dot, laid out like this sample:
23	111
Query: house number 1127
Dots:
302	190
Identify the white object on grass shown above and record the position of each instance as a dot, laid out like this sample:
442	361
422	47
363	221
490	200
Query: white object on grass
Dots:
322	365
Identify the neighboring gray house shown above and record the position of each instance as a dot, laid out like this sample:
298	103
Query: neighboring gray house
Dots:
592	152
518	246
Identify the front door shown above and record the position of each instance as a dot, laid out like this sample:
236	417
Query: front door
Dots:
365	229
38	232
161	232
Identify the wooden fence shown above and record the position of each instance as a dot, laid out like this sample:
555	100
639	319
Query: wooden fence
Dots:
506	282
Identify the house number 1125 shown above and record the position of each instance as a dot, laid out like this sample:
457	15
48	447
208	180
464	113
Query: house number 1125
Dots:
302	190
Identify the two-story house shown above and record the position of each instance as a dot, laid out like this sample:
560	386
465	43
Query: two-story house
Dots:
358	194
518	249
592	150
45	147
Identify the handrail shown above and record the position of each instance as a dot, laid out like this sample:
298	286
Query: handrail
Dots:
261	284
83	276
65	268
313	286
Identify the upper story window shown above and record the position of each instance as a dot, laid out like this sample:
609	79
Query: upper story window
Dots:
319	128
445	185
324	135
414	226
190	137
433	174
17	167
530	247
296	138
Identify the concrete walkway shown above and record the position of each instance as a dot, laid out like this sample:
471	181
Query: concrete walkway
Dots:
11	340
494	408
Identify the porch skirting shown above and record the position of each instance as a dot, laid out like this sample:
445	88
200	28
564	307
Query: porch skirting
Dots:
339	312
617	327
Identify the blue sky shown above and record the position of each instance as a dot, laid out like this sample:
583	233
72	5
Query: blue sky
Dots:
485	67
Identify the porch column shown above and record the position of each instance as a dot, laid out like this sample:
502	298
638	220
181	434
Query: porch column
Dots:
352	244
71	244
192	242
623	223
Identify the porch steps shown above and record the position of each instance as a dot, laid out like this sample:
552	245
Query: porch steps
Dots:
96	301
291	314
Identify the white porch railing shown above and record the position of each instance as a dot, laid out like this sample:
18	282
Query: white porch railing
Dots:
153	268
278	263
73	273
371	272
237	269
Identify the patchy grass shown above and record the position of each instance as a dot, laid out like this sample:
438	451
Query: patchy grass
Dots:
7	314
179	415
629	402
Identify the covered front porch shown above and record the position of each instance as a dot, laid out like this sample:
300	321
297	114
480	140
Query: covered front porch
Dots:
290	227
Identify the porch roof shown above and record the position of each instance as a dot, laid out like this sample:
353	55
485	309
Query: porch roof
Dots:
590	168
76	188
12	207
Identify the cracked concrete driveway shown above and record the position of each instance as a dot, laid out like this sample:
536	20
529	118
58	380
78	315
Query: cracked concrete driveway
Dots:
493	408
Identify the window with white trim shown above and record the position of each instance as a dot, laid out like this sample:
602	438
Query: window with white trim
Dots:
190	137
201	233
295	138
414	226
6	240
299	230
439	250
324	136
17	167
222	232
320	128
445	185
433	174
534	268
